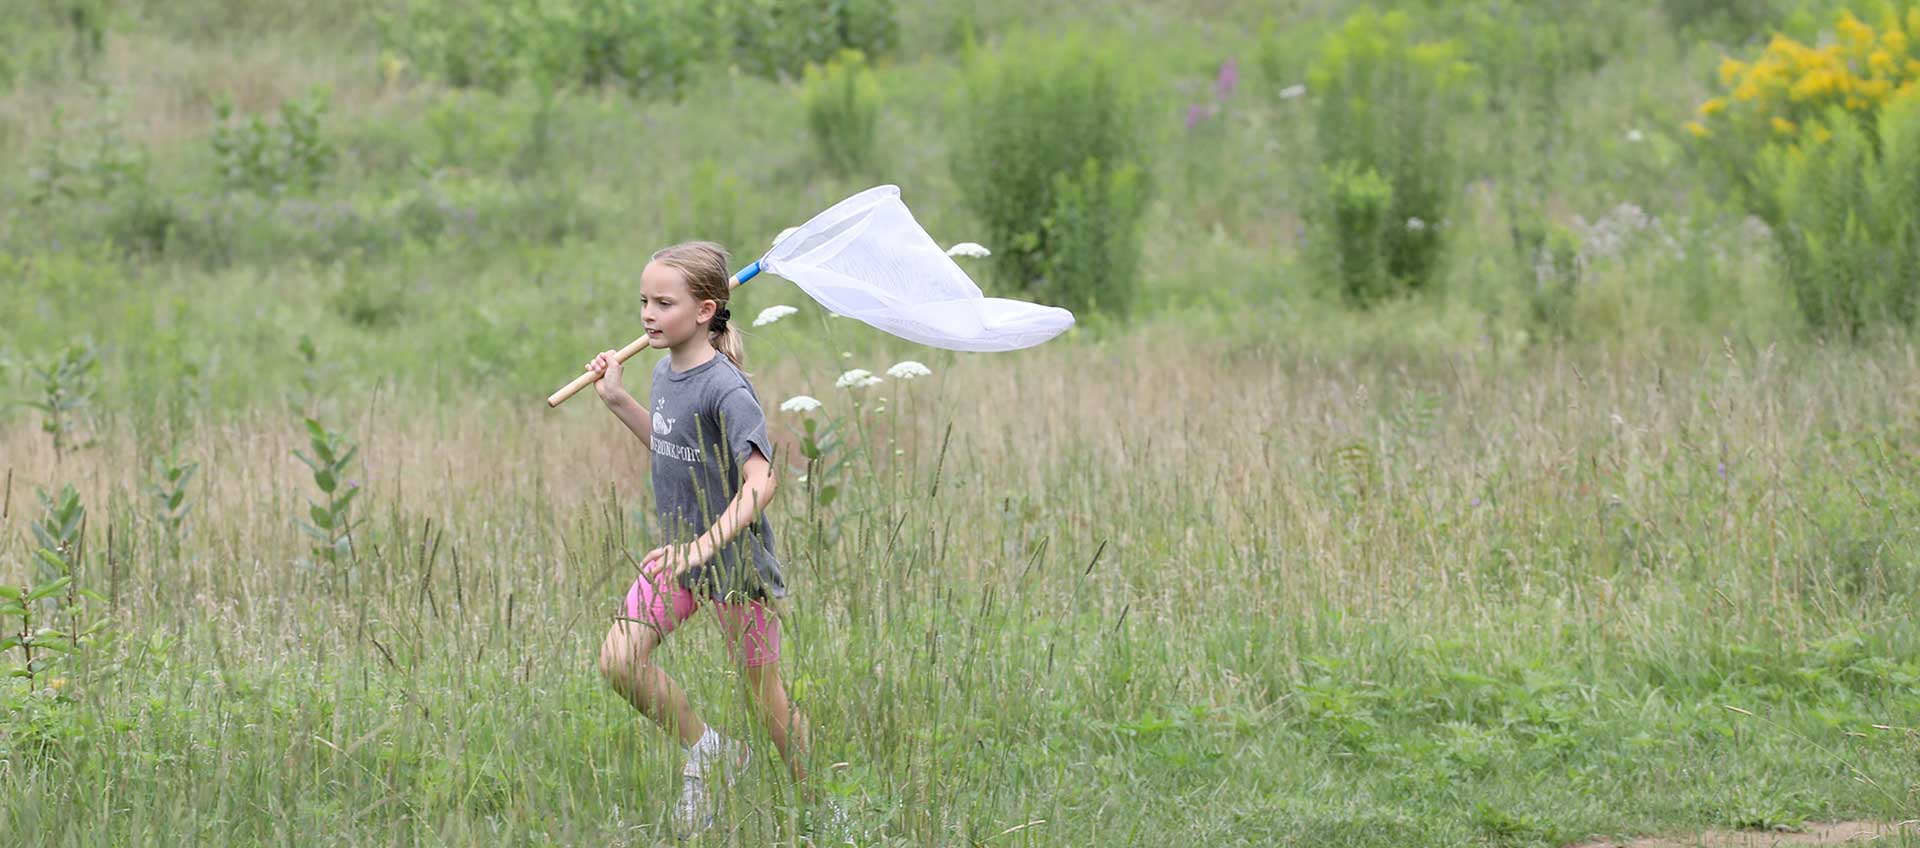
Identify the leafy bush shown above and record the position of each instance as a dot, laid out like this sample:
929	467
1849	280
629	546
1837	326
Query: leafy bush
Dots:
1787	92
49	620
1091	262
99	163
1728	20
66	386
653	46
494	43
1360	202
780	37
1383	101
842	102
274	157
1051	133
1849	231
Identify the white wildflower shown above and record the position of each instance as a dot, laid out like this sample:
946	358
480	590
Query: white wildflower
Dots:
858	378
967	248
1634	136
1416	225
773	313
1292	91
783	234
800	403
908	370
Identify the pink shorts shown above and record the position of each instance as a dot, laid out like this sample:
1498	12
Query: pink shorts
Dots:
753	633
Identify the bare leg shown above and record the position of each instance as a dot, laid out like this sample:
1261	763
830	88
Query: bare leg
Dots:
626	660
783	721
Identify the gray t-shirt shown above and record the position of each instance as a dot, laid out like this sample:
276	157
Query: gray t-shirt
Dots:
706	422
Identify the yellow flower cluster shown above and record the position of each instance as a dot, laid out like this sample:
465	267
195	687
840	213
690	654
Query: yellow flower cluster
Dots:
1790	83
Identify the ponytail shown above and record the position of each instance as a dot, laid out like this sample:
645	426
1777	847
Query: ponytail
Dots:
728	340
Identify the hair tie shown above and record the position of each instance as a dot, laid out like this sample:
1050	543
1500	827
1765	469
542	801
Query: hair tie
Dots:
719	322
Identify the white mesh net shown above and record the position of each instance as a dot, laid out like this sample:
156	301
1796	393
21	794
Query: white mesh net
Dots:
866	258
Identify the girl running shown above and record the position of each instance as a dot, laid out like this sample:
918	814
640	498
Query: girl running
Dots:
712	478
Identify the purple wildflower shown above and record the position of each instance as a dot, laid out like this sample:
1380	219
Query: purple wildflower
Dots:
1229	76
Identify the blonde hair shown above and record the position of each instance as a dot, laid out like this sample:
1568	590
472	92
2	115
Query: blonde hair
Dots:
703	264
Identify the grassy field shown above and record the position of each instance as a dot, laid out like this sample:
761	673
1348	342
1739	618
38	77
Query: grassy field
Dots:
1252	567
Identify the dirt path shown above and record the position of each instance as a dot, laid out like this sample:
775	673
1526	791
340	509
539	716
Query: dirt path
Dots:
1814	833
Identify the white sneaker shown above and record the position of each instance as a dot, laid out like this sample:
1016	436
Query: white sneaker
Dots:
694	813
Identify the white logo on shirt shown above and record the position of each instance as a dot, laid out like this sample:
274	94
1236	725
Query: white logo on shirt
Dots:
662	424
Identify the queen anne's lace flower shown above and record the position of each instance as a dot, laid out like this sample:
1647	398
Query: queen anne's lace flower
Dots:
858	378
967	248
908	370
773	313
800	403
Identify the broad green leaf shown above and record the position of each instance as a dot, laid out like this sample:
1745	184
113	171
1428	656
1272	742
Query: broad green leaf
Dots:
49	589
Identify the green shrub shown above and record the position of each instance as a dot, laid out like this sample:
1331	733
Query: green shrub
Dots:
653	46
1849	233
710	208
493	43
1383	102
842	102
1723	20
1092	262
274	157
1360	203
94	161
780	37
1051	132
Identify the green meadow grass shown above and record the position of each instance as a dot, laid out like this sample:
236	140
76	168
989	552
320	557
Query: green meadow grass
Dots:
1220	594
1252	569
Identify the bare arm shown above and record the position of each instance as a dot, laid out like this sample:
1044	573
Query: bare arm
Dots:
756	490
632	414
618	400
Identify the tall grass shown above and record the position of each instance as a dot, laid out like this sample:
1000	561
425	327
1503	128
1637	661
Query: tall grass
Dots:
1391	603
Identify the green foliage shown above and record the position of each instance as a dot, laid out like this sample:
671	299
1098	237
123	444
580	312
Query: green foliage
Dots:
842	103
47	39
274	157
65	396
1052	133
824	450
1383	103
99	164
1093	237
167	497
492	44
332	523
1849	231
776	38
1730	21
710	207
640	47
1554	279
47	620
1360	203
